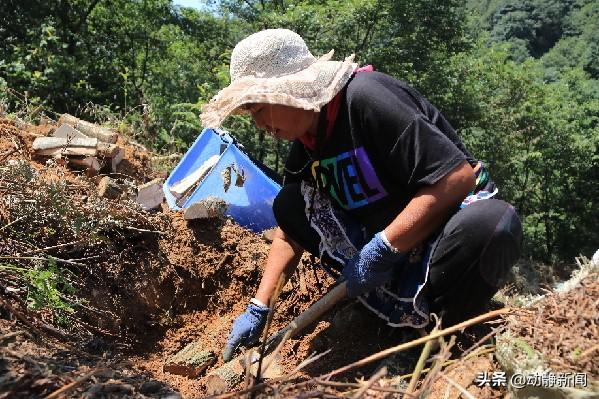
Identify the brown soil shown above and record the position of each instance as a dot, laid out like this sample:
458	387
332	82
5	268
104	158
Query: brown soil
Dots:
153	283
151	294
464	374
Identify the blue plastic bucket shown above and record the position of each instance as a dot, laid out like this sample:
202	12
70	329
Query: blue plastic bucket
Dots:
250	205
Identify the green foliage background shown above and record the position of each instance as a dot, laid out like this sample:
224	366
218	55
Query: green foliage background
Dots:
517	78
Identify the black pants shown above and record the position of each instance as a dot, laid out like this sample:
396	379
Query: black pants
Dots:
477	247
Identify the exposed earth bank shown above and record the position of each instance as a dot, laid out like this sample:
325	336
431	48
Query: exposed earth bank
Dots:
147	283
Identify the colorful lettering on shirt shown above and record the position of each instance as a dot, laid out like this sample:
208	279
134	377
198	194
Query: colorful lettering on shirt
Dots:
349	178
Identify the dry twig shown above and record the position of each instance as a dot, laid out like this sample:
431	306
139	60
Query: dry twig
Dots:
377	376
441	333
443	355
273	304
69	387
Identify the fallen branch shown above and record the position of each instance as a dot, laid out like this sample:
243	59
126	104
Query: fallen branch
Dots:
167	157
68	262
437	365
11	223
480	342
308	361
69	387
8	154
68	244
145	231
273	305
482	351
588	351
11	335
441	333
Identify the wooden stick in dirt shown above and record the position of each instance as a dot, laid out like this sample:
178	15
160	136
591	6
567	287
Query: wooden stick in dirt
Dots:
273	306
90	129
231	373
407	345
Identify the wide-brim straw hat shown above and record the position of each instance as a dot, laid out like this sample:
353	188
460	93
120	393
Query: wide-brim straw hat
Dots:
274	66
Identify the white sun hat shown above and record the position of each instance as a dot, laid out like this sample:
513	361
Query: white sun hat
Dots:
274	66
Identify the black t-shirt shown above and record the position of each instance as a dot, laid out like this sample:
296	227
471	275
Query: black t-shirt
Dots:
387	142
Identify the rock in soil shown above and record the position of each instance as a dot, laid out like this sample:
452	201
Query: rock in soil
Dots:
108	389
150	387
150	194
190	361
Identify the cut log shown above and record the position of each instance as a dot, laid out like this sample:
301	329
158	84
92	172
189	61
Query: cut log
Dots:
183	186
59	146
108	188
49	143
150	194
224	378
190	361
68	132
92	130
68	151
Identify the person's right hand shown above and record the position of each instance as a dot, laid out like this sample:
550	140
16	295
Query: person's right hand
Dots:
246	329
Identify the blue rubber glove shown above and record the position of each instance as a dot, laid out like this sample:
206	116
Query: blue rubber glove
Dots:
371	267
246	330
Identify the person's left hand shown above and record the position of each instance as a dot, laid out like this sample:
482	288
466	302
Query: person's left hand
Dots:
371	267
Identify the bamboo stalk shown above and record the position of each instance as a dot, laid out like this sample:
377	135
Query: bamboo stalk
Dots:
420	364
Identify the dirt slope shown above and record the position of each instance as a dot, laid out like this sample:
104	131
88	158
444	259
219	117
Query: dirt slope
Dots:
148	283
